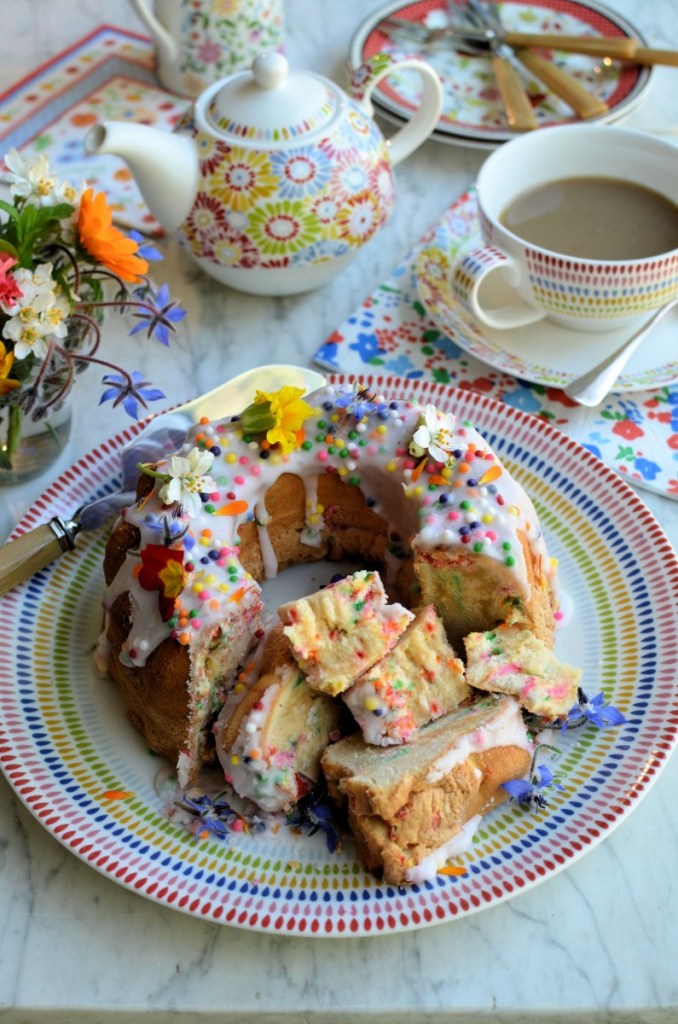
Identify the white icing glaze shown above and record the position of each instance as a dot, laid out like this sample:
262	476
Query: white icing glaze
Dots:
454	847
506	729
271	786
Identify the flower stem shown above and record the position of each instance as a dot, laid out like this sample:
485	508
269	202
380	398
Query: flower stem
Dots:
12	437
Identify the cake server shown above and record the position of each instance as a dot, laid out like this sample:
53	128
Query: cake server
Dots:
162	435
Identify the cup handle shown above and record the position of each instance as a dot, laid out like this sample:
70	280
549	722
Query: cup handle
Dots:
425	117
164	41
485	281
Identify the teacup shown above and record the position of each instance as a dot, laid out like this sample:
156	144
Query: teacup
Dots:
200	41
509	282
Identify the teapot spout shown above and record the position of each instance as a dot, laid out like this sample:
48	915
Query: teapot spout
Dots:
164	166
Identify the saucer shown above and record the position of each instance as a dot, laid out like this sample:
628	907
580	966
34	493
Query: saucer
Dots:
542	353
472	114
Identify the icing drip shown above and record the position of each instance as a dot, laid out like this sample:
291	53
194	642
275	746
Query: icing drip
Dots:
454	847
312	534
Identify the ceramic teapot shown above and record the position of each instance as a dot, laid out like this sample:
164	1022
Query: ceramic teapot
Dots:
274	179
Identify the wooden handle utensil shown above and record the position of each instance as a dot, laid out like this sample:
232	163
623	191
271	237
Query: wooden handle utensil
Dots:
583	102
25	555
517	107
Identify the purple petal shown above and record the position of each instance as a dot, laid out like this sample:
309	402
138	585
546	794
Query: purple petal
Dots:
544	776
107	395
518	788
161	334
130	406
612	716
151	394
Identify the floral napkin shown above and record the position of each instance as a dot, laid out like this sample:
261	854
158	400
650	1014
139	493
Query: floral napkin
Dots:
391	334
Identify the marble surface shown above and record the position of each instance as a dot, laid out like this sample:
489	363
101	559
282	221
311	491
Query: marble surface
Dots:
595	943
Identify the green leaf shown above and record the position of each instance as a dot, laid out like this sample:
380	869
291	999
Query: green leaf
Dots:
53	214
6	246
9	209
257	417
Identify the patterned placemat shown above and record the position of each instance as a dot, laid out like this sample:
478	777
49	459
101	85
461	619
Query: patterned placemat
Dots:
391	334
107	75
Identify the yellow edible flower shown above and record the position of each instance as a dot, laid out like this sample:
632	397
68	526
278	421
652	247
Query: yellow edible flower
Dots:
286	412
6	361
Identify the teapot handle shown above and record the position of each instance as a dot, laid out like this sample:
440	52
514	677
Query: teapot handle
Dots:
425	117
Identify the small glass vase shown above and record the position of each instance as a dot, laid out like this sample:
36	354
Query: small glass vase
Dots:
28	447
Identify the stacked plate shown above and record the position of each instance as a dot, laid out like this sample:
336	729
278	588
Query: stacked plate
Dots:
472	113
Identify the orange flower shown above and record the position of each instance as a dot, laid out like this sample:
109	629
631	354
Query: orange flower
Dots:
6	360
106	243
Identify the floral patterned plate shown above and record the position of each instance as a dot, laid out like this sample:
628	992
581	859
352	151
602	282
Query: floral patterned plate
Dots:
472	113
83	771
543	353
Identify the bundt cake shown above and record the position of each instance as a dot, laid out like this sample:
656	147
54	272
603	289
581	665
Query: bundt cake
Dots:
342	473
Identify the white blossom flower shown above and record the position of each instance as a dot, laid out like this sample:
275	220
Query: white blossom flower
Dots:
39	313
434	435
187	479
30	180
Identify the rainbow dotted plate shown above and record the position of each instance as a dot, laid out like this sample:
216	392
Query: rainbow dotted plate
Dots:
67	750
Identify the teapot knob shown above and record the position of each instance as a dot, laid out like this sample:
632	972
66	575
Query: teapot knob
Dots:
270	70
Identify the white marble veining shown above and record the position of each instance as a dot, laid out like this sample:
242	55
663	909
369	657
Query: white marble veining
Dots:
598	942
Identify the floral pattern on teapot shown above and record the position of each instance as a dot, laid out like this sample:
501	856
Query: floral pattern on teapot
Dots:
290	207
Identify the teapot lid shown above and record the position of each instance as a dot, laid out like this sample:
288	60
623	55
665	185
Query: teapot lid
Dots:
270	104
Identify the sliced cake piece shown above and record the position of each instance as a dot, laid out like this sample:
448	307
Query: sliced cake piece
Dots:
420	679
514	661
342	630
408	804
270	736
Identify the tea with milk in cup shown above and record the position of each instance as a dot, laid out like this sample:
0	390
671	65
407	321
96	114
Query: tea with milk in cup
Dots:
595	218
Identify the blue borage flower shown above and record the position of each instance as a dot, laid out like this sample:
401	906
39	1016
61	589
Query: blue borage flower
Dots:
129	390
146	249
63	265
531	793
596	711
359	401
314	813
216	816
171	530
159	315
